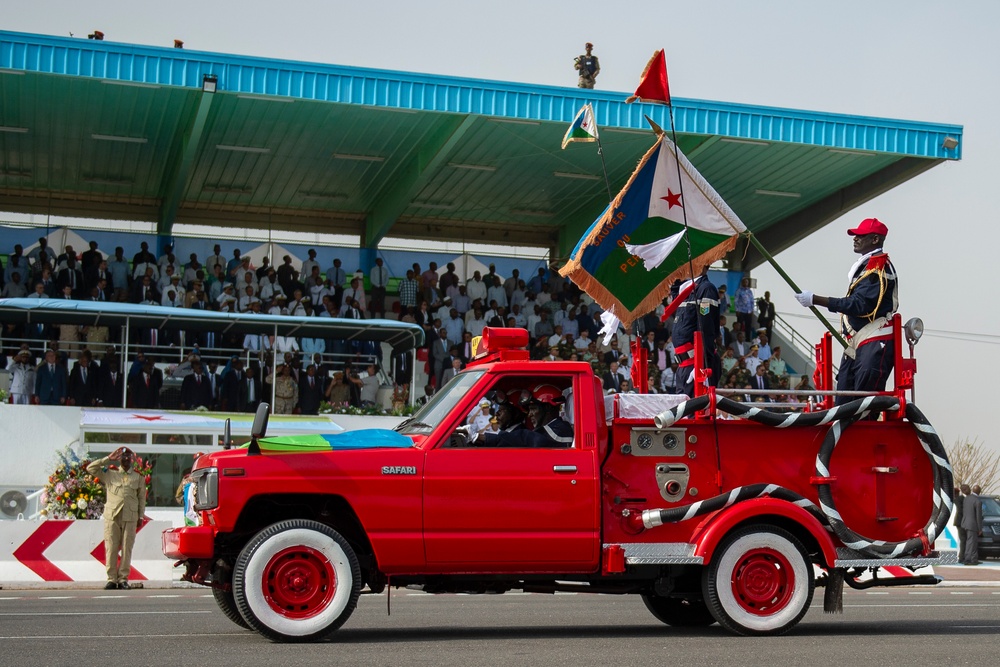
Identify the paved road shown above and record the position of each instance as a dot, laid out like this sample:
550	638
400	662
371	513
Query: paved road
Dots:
182	627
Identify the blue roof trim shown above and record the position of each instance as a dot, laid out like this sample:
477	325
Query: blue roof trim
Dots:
429	92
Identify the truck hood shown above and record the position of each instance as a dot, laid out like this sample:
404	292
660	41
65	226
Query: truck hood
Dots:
374	438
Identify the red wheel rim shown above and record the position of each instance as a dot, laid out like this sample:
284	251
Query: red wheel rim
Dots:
299	582
763	582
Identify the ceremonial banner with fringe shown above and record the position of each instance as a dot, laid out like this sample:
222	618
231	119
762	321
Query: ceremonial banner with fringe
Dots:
648	216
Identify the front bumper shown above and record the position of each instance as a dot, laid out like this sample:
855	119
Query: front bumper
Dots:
189	543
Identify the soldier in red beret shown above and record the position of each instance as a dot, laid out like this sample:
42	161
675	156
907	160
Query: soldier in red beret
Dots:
865	313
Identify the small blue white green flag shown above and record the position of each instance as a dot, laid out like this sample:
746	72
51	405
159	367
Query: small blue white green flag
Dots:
583	127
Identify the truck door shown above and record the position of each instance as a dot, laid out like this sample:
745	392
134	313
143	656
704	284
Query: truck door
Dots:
497	509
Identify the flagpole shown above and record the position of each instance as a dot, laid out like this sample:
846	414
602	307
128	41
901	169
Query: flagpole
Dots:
604	166
680	185
791	283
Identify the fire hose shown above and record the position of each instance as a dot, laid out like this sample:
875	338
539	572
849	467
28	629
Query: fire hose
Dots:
839	419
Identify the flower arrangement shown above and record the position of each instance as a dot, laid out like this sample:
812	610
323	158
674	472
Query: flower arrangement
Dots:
326	408
73	493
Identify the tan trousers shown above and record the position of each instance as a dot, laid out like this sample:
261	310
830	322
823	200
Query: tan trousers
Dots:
284	406
118	535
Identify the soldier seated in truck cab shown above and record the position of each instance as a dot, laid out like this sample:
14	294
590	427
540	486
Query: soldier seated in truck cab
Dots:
509	415
551	430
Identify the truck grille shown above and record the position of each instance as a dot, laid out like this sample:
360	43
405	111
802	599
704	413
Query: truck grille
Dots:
996	528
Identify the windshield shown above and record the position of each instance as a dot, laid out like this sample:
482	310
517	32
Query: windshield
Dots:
428	417
990	506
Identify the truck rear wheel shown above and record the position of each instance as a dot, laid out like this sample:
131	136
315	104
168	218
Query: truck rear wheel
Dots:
760	581
296	581
678	612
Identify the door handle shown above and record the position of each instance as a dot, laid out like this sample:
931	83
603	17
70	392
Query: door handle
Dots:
563	468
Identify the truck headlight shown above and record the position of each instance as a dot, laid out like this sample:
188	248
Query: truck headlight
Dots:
913	330
206	495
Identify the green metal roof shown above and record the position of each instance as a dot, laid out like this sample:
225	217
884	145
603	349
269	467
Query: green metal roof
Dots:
97	129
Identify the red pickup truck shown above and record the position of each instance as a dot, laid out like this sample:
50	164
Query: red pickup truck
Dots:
710	509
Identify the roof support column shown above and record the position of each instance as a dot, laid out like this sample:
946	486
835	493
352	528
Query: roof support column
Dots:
407	181
176	177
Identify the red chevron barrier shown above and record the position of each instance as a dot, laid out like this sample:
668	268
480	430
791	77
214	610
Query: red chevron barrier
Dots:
65	553
32	551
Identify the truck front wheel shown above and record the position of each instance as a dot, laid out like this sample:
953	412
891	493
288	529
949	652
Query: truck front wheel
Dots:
681	613
760	581
227	603
296	581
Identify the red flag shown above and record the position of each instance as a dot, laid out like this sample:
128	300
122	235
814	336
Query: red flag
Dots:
653	85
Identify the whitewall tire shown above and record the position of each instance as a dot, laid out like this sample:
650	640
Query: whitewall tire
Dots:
759	582
296	581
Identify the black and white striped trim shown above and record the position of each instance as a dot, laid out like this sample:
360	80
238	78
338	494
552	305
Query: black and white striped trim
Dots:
840	418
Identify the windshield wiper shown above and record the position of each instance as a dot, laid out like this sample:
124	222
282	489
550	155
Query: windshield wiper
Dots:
402	424
409	422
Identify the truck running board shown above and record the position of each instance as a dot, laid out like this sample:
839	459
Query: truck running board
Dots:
916	580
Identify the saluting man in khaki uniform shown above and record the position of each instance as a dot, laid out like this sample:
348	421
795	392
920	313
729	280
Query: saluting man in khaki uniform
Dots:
126	504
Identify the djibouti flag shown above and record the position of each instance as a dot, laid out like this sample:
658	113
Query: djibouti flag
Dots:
583	127
632	253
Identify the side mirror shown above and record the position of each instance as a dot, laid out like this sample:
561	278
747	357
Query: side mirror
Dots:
227	435
259	429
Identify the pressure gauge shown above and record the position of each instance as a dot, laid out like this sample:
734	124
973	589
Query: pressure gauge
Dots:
670	441
645	441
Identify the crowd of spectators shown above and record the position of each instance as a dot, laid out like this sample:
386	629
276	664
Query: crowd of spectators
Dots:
562	323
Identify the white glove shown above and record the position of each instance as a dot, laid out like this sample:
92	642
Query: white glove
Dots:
805	299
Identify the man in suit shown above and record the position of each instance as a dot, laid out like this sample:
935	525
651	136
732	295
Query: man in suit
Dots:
761	381
402	366
95	274
613	353
612	380
144	290
71	277
765	318
440	358
465	348
253	390
214	382
144	387
51	382
111	385
972	523
125	506
84	382
90	259
311	388
449	373
740	346
233	396
196	391
959	512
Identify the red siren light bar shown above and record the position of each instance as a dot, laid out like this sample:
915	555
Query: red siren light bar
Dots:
496	339
501	342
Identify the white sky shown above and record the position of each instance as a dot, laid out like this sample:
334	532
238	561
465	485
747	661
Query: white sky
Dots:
919	60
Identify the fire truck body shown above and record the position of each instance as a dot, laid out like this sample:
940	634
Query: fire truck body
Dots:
291	532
